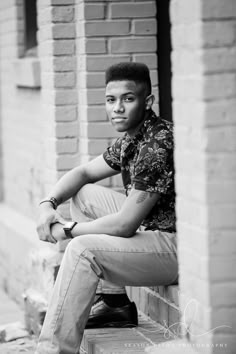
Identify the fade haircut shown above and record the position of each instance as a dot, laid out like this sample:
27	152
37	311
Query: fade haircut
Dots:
137	72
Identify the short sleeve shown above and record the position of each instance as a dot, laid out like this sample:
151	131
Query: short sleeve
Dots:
112	155
154	168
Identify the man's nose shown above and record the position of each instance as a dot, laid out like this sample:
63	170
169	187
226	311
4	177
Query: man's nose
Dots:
118	107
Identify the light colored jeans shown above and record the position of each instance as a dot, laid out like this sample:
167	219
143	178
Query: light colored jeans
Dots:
146	259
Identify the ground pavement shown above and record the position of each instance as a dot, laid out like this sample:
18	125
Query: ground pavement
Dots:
10	312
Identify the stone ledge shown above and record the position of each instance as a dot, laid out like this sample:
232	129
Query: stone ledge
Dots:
125	340
18	242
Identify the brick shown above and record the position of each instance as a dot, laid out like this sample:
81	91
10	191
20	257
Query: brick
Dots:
219	60
58	80
62	14
63	31
64	146
96	146
63	47
67	130
129	45
218	34
218	192
223	294
220	85
215	9
225	316
138	9
94	46
94	11
144	27
223	240
92	80
67	162
62	2
221	139
150	59
66	97
98	130
91	46
64	79
107	28
222	216
66	63
65	113
58	47
93	113
93	96
45	3
102	62
220	112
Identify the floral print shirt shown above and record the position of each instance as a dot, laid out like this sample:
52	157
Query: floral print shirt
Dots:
146	163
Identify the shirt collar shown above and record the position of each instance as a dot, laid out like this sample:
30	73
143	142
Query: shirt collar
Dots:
139	135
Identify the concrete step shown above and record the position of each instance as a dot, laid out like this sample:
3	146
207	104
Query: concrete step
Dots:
127	340
10	312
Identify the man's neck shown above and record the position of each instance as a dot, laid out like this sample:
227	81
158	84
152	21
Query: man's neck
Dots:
133	133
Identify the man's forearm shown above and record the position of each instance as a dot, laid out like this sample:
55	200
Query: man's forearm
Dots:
109	224
68	185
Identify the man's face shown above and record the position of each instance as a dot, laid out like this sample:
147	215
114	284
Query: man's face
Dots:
125	105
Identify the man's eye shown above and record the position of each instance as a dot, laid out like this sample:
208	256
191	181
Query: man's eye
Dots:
110	100
129	99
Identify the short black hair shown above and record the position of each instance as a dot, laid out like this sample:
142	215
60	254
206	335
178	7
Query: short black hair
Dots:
137	72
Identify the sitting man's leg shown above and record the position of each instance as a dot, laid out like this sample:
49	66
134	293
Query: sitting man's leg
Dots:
91	202
148	258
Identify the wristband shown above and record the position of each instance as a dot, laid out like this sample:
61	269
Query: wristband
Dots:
52	200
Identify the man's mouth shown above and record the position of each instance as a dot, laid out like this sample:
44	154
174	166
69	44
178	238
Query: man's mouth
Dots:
118	119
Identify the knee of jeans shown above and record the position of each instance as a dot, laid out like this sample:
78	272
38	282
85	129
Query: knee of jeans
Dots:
81	247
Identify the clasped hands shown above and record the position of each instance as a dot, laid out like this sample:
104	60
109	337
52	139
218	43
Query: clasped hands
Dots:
50	225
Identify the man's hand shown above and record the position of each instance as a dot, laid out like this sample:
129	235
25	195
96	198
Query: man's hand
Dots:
47	217
57	232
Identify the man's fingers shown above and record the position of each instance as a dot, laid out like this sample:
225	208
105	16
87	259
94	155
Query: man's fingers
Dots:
61	220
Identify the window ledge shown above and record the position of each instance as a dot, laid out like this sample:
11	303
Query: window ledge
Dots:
27	72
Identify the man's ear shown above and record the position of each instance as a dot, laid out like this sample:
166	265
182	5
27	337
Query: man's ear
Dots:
149	101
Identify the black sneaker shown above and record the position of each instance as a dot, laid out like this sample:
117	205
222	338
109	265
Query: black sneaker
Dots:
102	316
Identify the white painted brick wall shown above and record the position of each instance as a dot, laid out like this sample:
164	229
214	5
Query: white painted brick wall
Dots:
204	102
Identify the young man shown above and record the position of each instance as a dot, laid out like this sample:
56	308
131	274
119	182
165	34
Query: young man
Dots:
119	240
